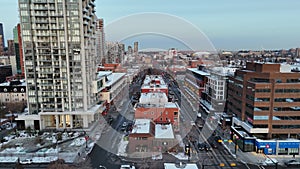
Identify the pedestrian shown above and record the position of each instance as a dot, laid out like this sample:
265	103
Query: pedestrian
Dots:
79	154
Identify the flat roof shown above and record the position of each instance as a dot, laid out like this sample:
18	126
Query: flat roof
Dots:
183	166
23	83
112	78
200	72
153	98
141	126
164	131
158	105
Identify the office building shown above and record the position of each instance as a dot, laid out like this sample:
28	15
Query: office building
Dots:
59	47
265	100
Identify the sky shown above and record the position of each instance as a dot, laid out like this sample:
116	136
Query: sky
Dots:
229	25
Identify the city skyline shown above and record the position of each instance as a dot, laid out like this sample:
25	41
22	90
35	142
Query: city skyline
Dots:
231	25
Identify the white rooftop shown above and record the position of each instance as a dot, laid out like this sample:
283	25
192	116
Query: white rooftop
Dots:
114	77
23	83
141	126
153	98
149	78
183	166
164	131
200	72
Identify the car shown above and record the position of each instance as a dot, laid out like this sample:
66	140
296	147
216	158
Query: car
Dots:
217	138
269	162
26	161
207	147
292	163
201	146
214	145
126	166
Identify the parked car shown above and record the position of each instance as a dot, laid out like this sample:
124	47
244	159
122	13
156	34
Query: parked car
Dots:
26	161
292	163
127	167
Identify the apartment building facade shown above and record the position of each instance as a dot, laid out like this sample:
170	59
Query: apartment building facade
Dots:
59	49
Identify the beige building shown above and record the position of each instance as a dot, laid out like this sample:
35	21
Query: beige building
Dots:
59	40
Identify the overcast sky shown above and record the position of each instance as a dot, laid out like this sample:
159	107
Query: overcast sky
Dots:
230	24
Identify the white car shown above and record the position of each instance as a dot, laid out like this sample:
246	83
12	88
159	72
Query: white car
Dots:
269	162
26	161
127	167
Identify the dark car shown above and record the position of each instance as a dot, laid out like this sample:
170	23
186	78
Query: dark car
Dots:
207	147
214	145
201	146
292	163
217	138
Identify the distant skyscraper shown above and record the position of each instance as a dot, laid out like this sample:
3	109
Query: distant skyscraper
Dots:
11	47
297	52
100	41
129	50
18	49
136	47
59	40
1	45
2	33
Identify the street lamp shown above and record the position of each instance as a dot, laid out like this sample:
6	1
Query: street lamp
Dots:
102	167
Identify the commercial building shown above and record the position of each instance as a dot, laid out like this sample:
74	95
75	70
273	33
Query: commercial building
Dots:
148	138
265	100
59	49
213	99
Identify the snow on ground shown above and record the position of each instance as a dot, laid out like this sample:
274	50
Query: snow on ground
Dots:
180	156
122	147
78	142
8	159
47	159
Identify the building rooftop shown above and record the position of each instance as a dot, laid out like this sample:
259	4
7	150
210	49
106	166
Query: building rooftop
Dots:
154	81
153	98
114	77
164	131
200	72
14	83
180	166
141	126
158	105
